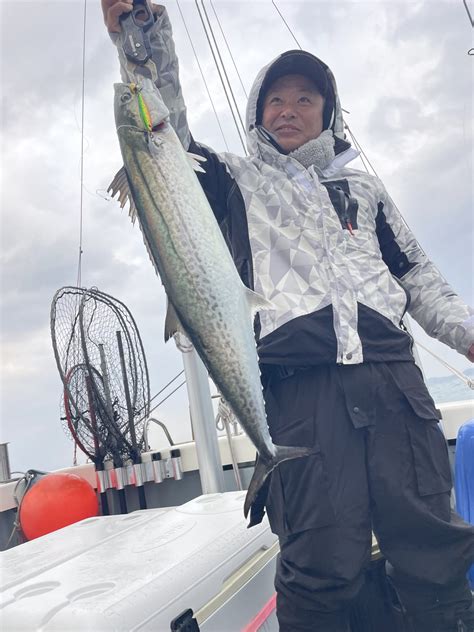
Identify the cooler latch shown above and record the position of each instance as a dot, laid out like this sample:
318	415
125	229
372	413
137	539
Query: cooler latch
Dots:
184	622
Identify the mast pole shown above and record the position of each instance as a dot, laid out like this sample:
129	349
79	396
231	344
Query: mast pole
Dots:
202	418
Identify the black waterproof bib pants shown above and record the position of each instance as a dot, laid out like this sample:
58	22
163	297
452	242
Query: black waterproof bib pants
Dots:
380	463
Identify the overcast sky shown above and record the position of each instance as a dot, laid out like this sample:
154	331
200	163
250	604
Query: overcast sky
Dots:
403	73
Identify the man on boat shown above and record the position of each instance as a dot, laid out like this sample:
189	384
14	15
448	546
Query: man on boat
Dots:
325	244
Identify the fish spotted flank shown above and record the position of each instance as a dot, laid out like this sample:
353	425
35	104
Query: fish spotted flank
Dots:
207	299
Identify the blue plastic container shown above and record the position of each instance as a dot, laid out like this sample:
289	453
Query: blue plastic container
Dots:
464	477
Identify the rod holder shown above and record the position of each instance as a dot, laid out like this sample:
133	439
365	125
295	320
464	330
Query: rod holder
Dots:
120	477
138	474
5	473
157	464
176	464
148	471
102	481
129	476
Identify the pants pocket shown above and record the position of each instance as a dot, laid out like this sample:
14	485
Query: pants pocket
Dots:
409	380
298	497
430	457
427	443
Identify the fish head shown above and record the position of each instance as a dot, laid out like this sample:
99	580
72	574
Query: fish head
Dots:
140	107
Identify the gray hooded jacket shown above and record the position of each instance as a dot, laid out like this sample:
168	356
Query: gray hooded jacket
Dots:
338	295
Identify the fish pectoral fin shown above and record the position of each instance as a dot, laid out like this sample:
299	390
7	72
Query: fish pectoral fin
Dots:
256	302
120	185
194	160
172	322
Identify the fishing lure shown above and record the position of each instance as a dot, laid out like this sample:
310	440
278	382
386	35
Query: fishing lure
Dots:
142	107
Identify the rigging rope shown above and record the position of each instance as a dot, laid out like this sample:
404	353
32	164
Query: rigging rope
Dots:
79	262
203	77
286	24
467	381
358	147
363	155
211	30
221	77
169	395
165	386
471	20
228	49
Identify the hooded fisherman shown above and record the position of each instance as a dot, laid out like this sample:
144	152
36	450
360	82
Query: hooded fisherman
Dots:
325	244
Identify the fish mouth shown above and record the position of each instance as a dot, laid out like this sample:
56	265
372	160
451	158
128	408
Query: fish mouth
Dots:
159	126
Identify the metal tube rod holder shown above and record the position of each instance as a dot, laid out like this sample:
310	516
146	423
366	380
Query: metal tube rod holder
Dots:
138	472
129	478
157	467
119	477
5	472
102	481
176	465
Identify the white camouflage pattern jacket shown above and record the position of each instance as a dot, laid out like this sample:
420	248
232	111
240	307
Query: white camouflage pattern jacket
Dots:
290	242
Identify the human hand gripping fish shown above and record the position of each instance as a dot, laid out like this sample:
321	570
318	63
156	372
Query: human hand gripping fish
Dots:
207	299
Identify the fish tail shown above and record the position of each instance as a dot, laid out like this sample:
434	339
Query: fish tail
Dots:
263	468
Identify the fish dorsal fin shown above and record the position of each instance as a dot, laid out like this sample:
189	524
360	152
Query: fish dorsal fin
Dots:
172	322
121	186
256	302
195	160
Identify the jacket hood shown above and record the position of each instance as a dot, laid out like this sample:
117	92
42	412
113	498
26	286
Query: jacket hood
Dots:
296	62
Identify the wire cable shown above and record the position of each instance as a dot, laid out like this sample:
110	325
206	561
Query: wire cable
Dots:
358	147
81	203
211	31
166	385
286	24
160	391
220	76
236	106
228	48
362	152
168	396
471	19
467	381
203	77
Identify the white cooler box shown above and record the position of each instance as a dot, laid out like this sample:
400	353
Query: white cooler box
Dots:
143	570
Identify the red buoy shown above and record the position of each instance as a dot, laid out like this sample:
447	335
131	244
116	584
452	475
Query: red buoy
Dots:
55	501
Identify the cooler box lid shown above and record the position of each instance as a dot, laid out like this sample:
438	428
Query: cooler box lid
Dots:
140	571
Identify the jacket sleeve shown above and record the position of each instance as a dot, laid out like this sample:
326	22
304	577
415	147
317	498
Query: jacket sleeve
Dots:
166	62
218	185
432	301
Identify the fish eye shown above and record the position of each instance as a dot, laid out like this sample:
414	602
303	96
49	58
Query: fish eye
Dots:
126	97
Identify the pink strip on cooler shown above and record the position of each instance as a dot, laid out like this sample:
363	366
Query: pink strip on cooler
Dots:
261	616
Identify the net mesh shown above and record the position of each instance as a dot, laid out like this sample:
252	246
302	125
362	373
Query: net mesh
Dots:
101	361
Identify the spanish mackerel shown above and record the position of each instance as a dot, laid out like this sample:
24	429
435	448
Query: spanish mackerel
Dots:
206	297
